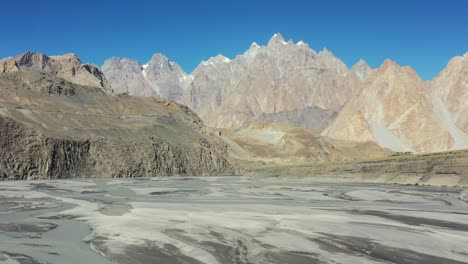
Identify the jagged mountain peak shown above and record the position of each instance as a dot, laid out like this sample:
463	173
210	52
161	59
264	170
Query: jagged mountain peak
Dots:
361	63
254	45
389	63
277	39
158	57
218	59
362	70
302	44
391	68
325	51
158	77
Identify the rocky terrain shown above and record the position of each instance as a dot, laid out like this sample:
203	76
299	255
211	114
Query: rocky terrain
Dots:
51	127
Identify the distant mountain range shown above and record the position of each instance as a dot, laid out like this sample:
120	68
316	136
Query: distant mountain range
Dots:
291	83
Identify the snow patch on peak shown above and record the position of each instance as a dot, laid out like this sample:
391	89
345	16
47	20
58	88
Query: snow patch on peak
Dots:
276	39
143	70
301	43
254	45
215	60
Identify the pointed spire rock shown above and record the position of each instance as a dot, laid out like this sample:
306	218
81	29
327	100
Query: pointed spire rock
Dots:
325	52
254	45
158	58
276	39
302	44
361	63
389	63
362	70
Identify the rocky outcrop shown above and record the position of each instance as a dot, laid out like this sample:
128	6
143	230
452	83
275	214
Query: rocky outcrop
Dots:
52	128
68	67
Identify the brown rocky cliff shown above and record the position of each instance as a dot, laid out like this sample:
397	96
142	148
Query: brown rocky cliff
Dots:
52	128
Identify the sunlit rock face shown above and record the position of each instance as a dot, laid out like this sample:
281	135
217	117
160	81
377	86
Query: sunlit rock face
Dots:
401	112
449	91
265	82
158	77
68	67
268	80
394	109
290	83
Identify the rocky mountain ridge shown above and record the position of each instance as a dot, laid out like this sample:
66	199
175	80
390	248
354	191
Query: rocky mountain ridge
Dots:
287	82
395	108
279	78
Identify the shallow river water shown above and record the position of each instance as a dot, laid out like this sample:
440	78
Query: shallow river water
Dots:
229	220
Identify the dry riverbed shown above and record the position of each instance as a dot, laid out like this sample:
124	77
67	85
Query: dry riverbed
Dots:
230	220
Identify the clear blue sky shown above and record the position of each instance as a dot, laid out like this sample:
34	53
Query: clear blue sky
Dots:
423	34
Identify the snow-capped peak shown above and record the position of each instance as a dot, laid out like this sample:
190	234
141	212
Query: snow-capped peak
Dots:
254	45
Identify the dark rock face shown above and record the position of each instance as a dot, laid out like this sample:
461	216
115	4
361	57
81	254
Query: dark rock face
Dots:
57	129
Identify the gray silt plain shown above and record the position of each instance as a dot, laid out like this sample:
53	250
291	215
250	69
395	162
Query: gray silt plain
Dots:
229	220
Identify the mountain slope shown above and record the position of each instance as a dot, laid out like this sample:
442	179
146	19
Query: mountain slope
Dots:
394	109
265	83
53	128
449	93
265	80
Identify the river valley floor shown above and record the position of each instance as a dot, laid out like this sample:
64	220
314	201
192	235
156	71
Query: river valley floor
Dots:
229	220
